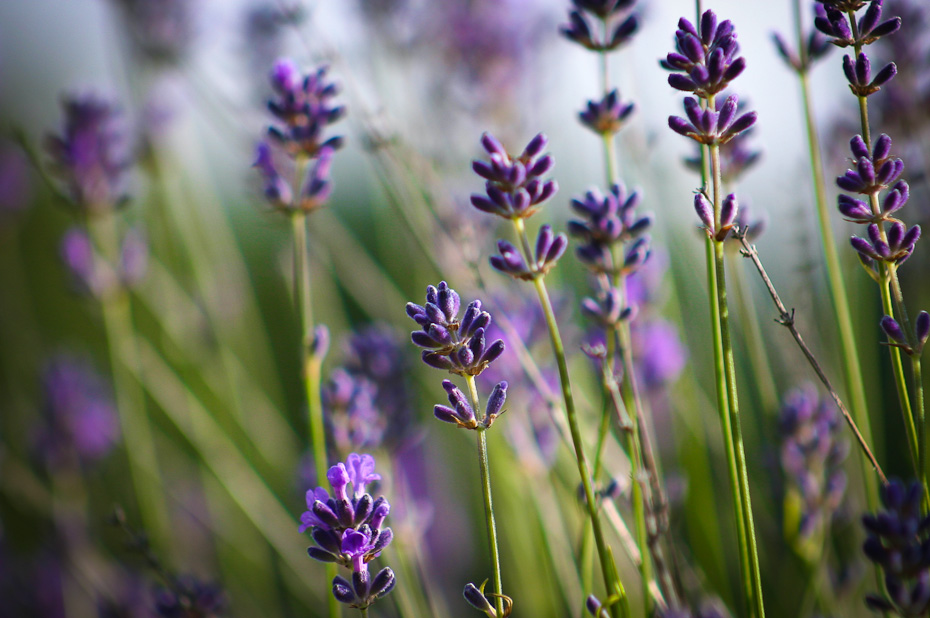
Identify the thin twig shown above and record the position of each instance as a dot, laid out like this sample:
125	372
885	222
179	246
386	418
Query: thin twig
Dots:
786	319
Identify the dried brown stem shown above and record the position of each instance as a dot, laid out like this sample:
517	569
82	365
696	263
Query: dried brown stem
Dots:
786	319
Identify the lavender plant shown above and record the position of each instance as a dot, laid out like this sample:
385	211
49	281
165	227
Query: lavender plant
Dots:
348	530
461	348
704	63
514	190
91	159
890	242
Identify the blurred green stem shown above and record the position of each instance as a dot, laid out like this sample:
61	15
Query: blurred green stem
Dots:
921	421
735	453
608	568
130	399
488	503
310	366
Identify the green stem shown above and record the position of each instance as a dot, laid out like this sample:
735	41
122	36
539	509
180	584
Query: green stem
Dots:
608	568
311	365
135	424
488	504
735	452
921	421
364	612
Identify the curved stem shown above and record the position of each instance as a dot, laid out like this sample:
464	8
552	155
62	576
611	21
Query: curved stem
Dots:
608	568
488	503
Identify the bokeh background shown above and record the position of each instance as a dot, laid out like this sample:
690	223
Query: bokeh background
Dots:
216	354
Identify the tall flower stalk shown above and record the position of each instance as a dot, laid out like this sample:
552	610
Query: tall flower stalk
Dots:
295	164
704	63
810	49
91	158
877	171
515	190
461	348
608	224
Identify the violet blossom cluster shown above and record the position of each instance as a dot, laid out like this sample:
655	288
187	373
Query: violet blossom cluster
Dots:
812	454
614	19
348	529
90	156
899	543
704	63
457	346
515	189
296	158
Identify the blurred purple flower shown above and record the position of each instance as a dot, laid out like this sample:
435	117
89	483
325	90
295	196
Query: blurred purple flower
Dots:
812	454
705	60
162	30
658	352
79	411
92	275
91	155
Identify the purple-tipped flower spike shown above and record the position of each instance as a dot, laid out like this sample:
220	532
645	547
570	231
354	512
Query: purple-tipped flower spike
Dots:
606	221
608	310
96	277
461	412
458	347
899	246
872	174
549	248
835	24
859	75
303	105
812	454
347	527
705	60
514	186
351	412
90	156
728	215
897	542
363	590
607	116
712	127
817	47
611	13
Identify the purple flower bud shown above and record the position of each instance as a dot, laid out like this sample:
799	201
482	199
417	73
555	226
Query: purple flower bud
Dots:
922	328
495	403
476	599
893	329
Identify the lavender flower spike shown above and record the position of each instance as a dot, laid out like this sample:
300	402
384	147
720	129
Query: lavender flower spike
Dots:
549	248
705	60
514	186
712	127
897	542
607	116
90	156
610	14
859	75
459	347
899	246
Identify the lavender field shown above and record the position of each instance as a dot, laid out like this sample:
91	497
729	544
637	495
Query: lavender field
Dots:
400	308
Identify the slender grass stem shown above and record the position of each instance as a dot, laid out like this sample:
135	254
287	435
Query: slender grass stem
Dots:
135	424
608	567
735	452
311	365
488	503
